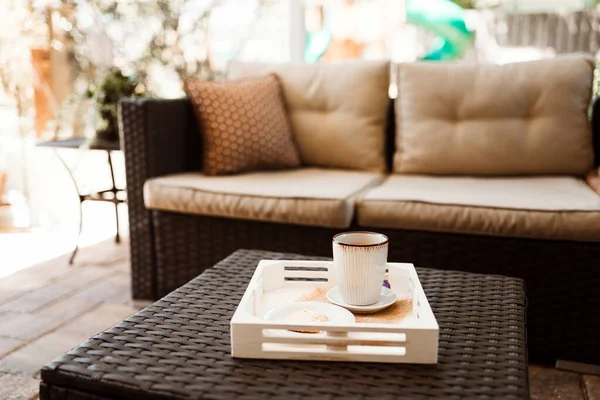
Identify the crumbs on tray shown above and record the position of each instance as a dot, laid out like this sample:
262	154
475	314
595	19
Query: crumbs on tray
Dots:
307	316
390	315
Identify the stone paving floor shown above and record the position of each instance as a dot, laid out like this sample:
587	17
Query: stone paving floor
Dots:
47	309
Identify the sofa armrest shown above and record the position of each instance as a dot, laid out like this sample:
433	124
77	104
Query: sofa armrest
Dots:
165	130
158	137
596	130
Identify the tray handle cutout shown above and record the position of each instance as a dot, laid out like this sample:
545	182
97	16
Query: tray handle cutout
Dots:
333	339
340	345
307	274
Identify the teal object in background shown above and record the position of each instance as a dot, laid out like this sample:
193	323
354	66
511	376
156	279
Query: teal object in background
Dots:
446	20
316	45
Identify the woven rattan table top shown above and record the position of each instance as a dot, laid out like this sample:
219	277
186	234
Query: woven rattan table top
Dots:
178	348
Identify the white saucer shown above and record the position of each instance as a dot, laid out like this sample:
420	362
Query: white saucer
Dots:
388	297
334	313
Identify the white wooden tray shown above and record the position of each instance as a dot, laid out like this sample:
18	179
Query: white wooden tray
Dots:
413	339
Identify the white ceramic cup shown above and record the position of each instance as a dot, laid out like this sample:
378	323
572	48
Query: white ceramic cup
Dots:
360	260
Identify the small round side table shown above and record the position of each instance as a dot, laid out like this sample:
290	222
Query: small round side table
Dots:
112	195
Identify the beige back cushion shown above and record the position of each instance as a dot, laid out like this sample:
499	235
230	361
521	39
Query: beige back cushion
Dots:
337	111
515	119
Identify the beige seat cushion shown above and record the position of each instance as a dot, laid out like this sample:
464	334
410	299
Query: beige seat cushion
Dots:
307	196
532	207
515	119
337	111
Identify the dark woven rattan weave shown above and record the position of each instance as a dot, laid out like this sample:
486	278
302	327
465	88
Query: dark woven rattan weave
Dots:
168	249
560	276
179	348
155	150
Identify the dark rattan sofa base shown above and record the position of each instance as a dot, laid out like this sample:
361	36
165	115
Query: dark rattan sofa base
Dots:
161	137
179	348
562	283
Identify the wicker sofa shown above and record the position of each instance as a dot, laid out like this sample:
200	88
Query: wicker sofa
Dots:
179	235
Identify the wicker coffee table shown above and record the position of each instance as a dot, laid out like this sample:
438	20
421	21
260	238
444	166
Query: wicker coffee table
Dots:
178	348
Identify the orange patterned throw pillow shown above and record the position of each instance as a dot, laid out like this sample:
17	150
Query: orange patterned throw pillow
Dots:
244	125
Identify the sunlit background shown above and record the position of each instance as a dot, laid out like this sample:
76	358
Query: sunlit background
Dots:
52	52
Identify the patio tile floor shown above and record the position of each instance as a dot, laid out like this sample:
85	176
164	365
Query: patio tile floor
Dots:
591	387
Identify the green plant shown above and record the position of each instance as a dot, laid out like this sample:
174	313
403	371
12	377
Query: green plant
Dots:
466	4
474	4
591	3
106	94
